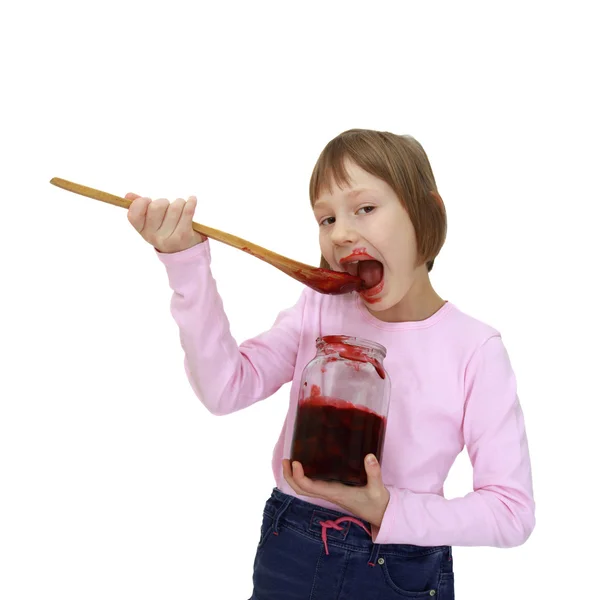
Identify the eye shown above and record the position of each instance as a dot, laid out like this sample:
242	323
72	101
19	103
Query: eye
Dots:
367	209
327	221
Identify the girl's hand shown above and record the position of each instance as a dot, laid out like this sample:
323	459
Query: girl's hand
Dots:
167	226
368	502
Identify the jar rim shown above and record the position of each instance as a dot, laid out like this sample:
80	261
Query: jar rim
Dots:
351	341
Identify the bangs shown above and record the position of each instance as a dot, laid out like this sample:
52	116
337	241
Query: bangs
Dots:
330	169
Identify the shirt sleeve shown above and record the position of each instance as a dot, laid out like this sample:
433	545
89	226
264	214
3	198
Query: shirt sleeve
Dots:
224	376
500	511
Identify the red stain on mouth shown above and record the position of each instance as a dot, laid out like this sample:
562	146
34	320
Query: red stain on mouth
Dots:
355	254
360	258
367	295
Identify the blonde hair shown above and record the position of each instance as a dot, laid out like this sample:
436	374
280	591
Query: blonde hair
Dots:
401	162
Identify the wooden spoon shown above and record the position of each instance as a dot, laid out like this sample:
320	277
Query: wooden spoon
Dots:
320	280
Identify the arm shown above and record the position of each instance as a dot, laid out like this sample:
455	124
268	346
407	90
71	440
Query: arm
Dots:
500	510
225	377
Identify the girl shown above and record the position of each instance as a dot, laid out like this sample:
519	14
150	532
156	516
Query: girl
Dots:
374	197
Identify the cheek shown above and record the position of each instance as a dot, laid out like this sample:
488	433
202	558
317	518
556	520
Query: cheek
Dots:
325	245
401	250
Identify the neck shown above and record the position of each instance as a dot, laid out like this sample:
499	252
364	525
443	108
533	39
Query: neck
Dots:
419	303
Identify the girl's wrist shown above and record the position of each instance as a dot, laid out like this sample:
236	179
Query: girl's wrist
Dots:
379	513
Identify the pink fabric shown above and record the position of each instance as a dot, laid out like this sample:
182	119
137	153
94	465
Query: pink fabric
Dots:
452	387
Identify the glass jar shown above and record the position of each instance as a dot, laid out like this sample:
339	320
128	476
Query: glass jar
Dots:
342	409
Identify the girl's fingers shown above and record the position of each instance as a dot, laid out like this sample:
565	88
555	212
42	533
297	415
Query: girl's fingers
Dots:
185	227
165	225
155	216
137	212
172	217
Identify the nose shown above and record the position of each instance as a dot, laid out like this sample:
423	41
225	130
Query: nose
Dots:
343	233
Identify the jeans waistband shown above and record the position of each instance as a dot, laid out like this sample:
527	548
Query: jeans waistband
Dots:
308	519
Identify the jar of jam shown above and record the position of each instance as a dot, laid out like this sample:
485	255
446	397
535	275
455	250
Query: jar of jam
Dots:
342	409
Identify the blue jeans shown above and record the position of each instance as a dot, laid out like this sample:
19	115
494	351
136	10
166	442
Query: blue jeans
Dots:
292	561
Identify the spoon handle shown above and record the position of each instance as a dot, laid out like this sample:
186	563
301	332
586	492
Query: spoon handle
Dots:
216	234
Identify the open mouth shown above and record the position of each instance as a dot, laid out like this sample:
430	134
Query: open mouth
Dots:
369	270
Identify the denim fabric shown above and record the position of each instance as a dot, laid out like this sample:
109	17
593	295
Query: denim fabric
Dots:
291	563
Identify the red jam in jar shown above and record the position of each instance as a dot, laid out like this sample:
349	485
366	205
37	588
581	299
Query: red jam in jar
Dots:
342	410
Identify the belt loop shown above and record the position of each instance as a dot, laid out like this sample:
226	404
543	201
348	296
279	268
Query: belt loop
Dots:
279	513
374	554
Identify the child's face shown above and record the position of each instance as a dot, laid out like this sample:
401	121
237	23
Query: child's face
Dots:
367	218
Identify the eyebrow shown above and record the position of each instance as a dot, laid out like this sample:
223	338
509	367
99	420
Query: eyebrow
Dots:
350	194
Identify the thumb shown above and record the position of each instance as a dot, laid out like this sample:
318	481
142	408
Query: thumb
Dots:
373	469
131	196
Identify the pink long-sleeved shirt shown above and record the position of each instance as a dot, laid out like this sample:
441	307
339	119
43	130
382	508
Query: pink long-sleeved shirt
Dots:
452	386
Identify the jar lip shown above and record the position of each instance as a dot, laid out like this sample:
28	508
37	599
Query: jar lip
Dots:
351	341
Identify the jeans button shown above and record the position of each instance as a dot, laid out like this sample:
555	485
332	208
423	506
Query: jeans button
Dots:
380	560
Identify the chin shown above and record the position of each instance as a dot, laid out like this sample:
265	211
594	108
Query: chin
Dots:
378	304
385	300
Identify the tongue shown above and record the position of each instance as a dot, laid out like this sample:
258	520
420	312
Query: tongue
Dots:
371	272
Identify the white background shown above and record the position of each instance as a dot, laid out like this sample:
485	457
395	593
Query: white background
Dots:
115	481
